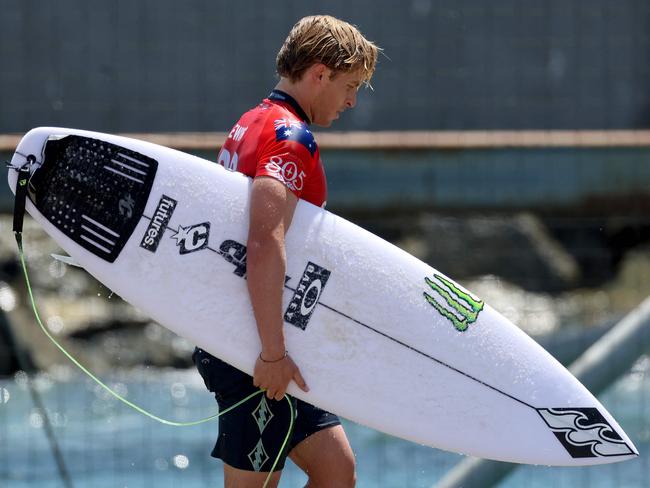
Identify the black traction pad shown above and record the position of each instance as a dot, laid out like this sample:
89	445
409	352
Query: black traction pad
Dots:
93	191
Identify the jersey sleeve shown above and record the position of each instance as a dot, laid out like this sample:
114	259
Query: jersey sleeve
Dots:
287	156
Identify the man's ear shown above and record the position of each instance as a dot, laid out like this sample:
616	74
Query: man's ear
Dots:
318	72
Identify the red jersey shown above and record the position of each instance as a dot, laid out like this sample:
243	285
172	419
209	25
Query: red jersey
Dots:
273	139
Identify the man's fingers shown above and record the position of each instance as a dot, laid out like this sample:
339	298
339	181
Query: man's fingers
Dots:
275	379
300	381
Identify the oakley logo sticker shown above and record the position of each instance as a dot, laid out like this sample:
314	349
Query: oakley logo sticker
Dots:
306	296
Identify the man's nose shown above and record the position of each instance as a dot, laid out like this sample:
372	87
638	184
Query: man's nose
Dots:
352	100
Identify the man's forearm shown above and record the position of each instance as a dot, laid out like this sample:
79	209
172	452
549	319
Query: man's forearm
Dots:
266	268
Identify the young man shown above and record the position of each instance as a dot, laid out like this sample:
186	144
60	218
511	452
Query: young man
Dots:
322	64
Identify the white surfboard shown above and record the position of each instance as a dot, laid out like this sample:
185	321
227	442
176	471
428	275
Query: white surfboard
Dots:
381	338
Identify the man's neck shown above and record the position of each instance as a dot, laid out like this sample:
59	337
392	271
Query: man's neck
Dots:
296	91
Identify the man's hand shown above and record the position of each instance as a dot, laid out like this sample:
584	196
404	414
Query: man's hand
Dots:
274	376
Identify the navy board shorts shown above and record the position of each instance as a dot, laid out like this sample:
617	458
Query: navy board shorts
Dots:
251	436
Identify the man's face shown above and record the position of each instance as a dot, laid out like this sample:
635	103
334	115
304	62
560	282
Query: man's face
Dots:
337	94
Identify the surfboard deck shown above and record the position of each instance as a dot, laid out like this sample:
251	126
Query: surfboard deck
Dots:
381	338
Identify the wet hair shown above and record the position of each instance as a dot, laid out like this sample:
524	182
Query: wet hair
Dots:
327	40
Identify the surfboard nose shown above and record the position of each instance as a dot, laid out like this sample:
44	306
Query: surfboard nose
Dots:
585	433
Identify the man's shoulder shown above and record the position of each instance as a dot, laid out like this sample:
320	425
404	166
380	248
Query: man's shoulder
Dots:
278	112
271	116
291	129
277	127
282	126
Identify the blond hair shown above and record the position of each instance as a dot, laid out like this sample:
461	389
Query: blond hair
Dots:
327	40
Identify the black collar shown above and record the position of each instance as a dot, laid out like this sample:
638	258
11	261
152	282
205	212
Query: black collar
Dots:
279	95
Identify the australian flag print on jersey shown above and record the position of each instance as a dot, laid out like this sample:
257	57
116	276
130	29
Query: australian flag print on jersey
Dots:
293	130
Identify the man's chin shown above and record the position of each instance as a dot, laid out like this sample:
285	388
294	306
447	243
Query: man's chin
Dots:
326	123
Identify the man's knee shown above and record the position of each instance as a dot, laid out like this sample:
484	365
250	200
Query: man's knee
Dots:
341	475
237	478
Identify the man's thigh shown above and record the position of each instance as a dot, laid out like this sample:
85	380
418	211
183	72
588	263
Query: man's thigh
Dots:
239	478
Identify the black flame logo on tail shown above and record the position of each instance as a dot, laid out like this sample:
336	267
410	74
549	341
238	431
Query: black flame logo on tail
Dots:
584	432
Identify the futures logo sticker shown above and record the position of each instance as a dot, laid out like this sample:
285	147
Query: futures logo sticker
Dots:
193	238
584	432
463	308
158	223
306	296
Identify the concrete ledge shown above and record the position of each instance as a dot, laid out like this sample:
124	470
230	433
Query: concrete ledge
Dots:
408	139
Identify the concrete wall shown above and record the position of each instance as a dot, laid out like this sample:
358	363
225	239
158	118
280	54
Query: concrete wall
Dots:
165	65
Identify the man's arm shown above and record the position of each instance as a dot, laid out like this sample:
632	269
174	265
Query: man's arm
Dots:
272	206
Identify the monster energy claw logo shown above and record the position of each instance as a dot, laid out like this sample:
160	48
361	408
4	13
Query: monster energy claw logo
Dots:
465	308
